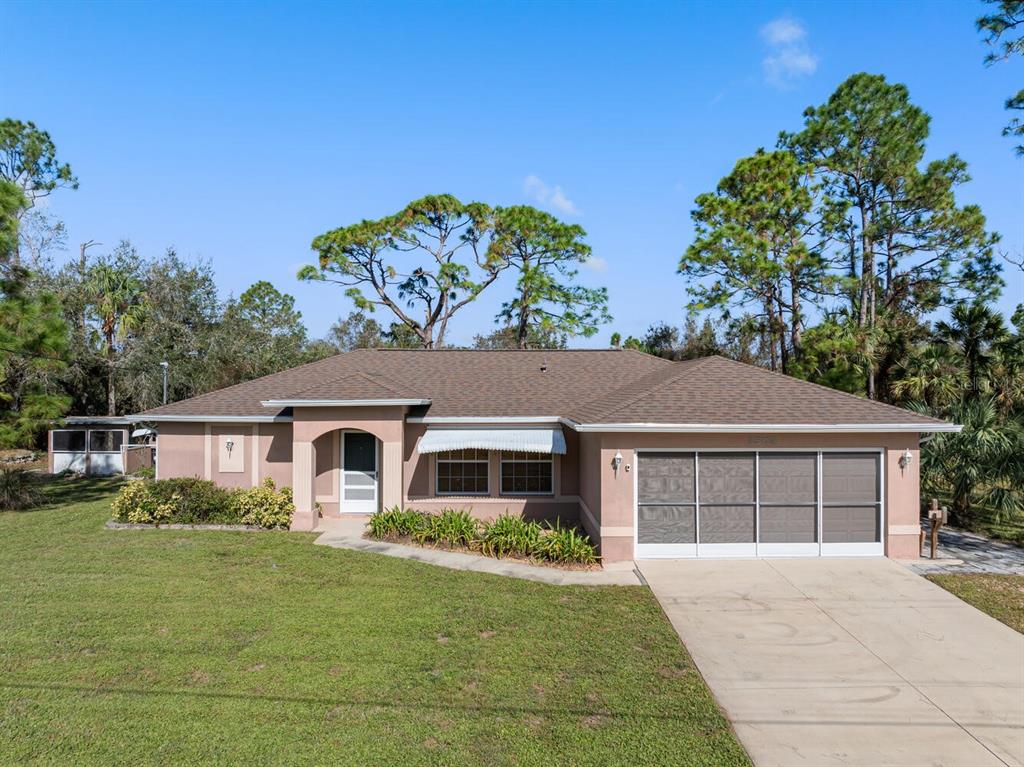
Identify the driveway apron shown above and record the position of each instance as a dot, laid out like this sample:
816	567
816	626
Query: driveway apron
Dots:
848	661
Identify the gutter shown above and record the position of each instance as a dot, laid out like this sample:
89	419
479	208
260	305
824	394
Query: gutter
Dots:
795	428
143	417
652	428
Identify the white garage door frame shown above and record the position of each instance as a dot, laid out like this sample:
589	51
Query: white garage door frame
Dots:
752	550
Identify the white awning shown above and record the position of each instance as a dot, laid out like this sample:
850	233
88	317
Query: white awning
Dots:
519	440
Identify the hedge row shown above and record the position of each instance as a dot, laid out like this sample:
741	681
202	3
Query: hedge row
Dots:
508	535
191	501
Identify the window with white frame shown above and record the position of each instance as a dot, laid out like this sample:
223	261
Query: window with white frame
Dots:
69	441
105	441
462	472
527	474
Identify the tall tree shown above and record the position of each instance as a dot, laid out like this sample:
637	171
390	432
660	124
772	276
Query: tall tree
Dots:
998	29
32	338
972	334
117	303
750	250
180	327
28	159
904	241
508	338
265	331
547	301
423	263
697	340
355	331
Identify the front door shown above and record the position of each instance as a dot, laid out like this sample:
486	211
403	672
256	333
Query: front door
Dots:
359	474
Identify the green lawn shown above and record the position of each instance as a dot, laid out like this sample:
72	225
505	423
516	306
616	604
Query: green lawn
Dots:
177	647
1001	596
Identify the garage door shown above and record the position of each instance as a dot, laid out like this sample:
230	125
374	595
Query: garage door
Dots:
758	503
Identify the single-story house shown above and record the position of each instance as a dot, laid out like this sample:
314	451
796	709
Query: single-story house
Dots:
653	458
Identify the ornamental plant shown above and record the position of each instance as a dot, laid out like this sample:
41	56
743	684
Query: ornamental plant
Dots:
265	506
134	503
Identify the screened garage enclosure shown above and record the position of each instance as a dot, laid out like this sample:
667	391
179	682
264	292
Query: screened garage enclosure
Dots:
759	503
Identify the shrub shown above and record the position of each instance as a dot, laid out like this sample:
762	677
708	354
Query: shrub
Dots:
145	472
134	503
18	490
396	523
450	528
191	501
264	506
509	534
194	501
566	544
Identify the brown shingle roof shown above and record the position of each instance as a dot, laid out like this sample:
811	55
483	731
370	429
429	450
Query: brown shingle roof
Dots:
458	382
587	386
354	386
716	390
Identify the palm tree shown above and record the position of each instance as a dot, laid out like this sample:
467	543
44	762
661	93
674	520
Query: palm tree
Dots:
982	467
931	376
974	332
116	300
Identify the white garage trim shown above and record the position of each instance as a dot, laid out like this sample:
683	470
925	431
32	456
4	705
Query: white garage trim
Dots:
758	549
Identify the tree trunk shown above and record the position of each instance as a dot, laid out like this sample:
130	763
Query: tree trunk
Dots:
523	326
796	320
782	333
867	296
111	399
853	272
773	349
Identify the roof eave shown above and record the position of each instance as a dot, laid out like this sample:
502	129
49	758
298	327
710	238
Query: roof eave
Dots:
793	428
193	418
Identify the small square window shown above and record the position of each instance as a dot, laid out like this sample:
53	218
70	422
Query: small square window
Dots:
462	472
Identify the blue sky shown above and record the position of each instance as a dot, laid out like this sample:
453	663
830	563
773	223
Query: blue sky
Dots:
237	132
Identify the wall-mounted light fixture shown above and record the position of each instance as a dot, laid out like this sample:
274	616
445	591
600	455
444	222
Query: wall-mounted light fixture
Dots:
229	444
906	458
616	462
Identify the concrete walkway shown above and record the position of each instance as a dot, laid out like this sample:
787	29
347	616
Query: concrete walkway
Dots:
848	661
348	534
963	552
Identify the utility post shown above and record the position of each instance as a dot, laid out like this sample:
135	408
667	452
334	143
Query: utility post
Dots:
164	365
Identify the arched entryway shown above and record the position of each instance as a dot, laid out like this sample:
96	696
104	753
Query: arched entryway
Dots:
334	474
347	474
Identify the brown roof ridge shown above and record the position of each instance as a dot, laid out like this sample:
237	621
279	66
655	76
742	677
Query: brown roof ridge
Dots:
846	394
512	351
688	367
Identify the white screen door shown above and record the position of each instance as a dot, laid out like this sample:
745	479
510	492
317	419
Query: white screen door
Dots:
359	475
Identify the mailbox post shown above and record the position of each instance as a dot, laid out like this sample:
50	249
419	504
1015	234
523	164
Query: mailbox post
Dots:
938	518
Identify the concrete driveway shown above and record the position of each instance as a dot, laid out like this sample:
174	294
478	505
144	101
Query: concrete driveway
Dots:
848	661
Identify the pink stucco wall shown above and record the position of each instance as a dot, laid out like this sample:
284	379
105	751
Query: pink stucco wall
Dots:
584	478
901	492
276	453
180	451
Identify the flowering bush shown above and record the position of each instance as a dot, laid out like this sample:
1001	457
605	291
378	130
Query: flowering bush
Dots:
265	506
134	503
